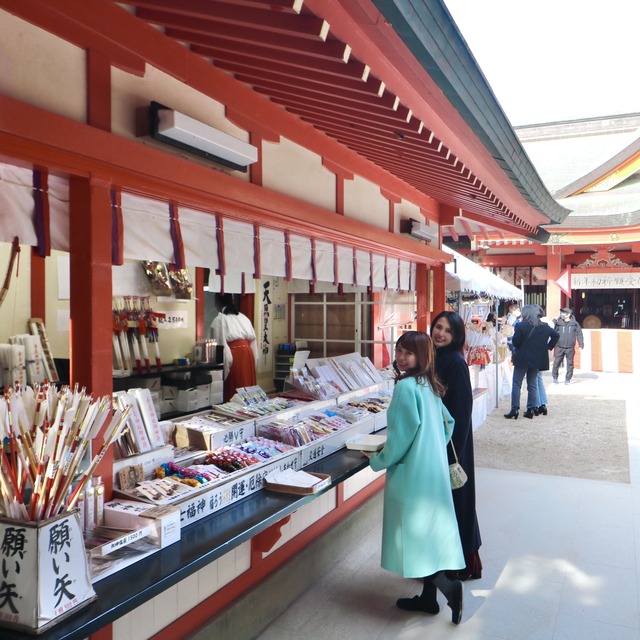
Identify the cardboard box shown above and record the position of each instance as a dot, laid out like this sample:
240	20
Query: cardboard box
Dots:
187	400
216	398
217	375
211	437
168	406
129	514
152	383
169	392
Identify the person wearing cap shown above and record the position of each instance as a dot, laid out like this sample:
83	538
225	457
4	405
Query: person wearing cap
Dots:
570	333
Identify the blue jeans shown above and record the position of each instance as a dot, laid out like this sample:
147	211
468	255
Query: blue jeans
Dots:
532	387
542	392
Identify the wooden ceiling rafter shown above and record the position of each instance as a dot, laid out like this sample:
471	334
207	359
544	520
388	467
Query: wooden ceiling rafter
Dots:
343	110
293	66
266	82
291	41
369	89
276	48
240	14
414	169
347	116
190	27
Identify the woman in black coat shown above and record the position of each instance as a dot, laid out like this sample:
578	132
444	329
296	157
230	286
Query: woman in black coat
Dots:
532	341
448	335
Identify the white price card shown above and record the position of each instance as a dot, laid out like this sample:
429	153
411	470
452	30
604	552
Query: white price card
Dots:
174	320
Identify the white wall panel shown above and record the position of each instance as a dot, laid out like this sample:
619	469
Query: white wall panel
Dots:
293	170
42	69
363	201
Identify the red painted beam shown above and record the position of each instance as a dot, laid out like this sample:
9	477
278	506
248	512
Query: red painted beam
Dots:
27	132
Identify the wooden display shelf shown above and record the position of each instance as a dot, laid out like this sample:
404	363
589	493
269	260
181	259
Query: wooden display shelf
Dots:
201	544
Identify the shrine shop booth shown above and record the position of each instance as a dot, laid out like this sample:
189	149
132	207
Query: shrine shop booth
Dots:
475	292
88	226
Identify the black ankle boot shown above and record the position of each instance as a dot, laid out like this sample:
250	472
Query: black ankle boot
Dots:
529	413
456	602
513	413
453	591
542	410
418	604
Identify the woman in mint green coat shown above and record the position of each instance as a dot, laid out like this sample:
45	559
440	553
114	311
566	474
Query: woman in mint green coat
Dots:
420	536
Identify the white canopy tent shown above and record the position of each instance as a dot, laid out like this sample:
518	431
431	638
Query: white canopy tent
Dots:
465	275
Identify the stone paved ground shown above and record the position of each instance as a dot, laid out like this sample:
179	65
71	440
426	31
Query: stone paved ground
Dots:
584	434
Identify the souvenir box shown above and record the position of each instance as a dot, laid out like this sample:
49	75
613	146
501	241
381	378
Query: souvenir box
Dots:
45	574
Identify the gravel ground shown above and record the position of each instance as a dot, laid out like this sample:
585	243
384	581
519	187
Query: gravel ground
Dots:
584	434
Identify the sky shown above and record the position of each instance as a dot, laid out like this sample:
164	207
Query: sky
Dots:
551	60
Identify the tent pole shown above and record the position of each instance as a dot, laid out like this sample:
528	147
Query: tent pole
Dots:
497	364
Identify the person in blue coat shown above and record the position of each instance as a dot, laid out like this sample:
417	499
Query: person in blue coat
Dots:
420	536
532	340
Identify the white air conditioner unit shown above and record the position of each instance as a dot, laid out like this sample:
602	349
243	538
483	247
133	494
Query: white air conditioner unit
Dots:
423	231
181	131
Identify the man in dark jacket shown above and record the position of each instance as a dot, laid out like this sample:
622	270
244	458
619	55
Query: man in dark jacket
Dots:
570	333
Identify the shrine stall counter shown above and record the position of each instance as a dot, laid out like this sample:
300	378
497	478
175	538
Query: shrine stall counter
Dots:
201	543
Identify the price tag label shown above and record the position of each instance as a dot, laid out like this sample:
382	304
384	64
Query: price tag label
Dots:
174	320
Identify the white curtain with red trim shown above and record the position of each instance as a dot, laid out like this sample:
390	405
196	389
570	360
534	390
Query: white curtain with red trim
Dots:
405	275
147	236
147	231
238	247
345	265
300	257
324	261
363	268
59	212
272	253
393	272
16	205
378	277
198	231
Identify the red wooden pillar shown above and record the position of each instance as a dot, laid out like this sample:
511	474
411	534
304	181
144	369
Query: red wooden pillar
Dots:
439	291
422	297
90	279
90	328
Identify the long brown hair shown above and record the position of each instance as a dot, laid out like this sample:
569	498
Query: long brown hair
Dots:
420	344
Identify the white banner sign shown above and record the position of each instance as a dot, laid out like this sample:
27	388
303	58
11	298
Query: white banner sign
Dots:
615	280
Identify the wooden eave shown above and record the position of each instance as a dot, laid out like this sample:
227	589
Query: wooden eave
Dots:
330	75
608	174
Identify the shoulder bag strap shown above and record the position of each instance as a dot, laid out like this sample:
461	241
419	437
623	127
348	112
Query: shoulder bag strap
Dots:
444	418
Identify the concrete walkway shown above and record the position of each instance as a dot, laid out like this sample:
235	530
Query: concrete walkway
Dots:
561	559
